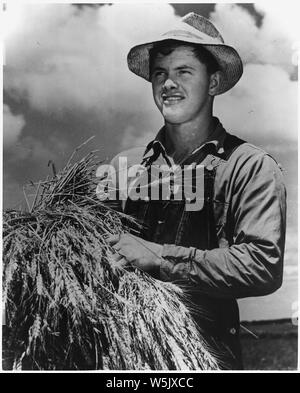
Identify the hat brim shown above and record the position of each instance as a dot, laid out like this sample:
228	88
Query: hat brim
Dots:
230	63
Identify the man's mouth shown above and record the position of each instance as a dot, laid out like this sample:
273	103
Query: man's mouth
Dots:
172	98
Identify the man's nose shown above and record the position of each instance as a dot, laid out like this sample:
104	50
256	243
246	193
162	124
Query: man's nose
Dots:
170	84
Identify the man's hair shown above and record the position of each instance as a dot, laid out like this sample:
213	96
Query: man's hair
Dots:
168	46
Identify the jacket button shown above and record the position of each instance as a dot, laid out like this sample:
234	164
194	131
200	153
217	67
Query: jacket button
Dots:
232	331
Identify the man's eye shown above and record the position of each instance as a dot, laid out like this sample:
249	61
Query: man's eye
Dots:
158	73
183	72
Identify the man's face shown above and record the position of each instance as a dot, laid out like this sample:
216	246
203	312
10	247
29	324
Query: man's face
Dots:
180	84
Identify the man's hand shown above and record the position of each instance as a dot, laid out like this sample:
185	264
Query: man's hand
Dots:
136	251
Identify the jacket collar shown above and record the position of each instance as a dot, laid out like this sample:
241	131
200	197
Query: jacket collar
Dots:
215	141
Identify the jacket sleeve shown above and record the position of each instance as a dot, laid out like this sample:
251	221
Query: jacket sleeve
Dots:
252	264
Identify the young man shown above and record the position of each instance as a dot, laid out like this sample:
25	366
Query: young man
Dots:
232	247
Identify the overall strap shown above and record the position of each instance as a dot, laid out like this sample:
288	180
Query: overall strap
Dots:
231	143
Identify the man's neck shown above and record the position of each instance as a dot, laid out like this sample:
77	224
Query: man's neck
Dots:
182	139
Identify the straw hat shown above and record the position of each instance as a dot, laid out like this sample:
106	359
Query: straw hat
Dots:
195	29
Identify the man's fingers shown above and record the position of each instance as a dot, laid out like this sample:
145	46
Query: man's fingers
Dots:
117	247
118	257
113	239
123	263
120	261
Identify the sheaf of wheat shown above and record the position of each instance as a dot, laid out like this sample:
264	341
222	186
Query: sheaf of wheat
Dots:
67	305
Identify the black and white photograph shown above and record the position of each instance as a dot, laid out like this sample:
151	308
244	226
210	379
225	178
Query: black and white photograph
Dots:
150	189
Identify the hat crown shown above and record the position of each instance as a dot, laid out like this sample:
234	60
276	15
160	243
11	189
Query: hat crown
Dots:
202	24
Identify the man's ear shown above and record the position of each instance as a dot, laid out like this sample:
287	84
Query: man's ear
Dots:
214	83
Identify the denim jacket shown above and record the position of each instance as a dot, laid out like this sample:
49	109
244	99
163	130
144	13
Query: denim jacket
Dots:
233	248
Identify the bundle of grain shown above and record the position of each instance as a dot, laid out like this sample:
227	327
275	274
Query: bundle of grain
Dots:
68	306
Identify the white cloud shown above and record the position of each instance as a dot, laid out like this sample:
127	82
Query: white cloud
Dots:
265	99
263	102
12	126
267	44
65	58
282	16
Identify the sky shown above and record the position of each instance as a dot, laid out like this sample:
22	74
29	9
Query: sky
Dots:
66	79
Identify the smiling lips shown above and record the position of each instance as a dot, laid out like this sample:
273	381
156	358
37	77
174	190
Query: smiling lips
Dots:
171	99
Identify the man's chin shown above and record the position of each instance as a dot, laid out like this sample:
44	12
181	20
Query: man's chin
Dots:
173	118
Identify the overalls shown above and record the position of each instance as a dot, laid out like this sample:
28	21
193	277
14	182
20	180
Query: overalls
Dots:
168	222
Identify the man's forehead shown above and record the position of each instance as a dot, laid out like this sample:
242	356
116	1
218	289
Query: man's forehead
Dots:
178	53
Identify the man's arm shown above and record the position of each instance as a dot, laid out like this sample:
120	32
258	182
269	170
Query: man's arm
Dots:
253	264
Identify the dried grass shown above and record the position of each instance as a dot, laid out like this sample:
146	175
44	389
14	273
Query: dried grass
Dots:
69	307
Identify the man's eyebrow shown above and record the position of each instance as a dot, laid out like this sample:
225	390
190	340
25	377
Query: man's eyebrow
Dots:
158	68
184	67
181	67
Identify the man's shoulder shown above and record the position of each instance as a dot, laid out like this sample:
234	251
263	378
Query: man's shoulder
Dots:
248	155
245	149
